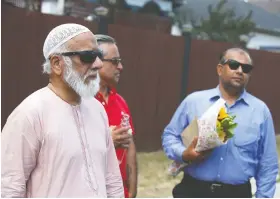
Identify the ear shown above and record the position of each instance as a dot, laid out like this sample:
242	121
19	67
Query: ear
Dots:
56	65
219	69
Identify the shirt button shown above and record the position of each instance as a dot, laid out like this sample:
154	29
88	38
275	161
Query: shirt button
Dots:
222	159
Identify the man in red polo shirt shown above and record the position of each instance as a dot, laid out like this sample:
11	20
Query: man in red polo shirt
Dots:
118	113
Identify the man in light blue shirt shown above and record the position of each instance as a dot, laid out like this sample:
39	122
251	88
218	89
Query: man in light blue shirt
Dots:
226	170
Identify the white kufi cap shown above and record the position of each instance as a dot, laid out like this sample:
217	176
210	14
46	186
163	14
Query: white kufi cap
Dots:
61	34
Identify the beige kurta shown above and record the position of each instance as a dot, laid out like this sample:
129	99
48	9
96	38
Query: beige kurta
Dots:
53	149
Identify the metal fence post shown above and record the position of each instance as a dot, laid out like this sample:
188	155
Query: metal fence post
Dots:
103	25
186	63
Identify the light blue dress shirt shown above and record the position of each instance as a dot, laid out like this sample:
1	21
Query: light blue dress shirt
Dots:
250	153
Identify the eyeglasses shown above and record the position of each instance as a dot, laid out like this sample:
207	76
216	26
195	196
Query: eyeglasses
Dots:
234	65
87	57
114	61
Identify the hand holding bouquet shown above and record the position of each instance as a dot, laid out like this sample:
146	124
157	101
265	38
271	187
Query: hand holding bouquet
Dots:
213	129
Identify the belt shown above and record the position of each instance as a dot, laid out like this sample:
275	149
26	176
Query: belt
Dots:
214	186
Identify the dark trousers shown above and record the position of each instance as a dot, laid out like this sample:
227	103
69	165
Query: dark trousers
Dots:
192	188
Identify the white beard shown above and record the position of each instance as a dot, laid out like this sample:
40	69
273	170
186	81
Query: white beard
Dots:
77	83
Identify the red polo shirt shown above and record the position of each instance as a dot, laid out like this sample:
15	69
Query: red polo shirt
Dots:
116	104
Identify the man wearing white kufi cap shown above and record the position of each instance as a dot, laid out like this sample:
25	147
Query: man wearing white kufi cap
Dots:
56	143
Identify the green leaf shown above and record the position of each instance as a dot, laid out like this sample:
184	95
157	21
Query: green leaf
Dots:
229	133
233	126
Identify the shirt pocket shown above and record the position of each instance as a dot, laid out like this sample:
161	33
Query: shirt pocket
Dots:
246	147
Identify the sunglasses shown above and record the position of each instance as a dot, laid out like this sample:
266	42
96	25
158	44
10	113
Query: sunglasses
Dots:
87	57
114	61
234	65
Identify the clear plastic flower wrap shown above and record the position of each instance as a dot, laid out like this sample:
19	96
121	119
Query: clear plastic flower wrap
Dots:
213	129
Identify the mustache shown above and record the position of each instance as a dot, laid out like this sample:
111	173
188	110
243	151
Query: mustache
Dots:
91	73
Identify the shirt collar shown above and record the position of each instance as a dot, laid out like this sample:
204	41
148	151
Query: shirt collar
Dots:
216	94
112	91
244	97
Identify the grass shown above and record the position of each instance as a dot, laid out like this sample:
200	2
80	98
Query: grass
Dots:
278	145
153	178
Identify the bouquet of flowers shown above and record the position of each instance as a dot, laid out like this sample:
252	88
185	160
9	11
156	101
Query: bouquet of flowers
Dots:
225	125
213	129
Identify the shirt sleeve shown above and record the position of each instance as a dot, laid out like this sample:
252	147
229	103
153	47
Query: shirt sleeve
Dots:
268	161
171	137
20	147
114	183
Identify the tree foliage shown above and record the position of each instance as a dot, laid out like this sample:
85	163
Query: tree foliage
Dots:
223	24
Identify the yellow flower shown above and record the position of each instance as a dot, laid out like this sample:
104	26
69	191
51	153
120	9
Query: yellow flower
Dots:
222	136
220	130
222	114
218	124
225	125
